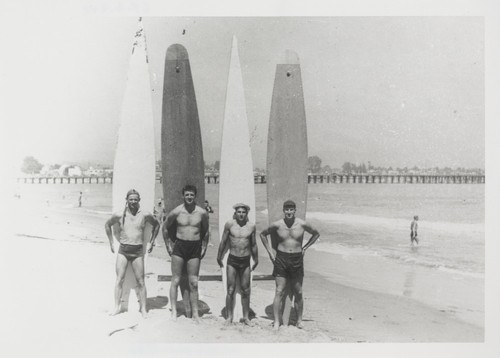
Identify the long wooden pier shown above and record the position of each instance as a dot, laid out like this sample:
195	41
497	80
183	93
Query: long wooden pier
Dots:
65	180
311	179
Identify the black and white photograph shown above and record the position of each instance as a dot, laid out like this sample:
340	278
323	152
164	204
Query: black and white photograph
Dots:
211	179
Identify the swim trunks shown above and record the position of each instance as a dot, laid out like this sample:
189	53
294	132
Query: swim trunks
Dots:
239	263
187	249
289	265
131	252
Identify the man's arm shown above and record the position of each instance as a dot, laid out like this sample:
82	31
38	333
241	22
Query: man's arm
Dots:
204	233
156	227
109	232
265	242
314	237
169	221
223	243
255	252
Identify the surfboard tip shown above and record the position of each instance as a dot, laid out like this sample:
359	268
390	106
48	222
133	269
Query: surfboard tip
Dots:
289	57
177	52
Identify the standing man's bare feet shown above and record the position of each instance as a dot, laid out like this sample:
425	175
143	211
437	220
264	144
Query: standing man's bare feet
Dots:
300	325
173	317
276	326
247	322
228	322
144	314
197	320
116	311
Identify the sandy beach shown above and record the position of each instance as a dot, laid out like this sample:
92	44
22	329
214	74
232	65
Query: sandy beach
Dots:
64	293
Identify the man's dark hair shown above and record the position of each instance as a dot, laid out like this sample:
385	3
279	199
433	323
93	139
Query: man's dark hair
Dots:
289	204
189	187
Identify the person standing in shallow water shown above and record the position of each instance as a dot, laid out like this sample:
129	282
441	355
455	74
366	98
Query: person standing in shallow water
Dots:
288	259
413	230
132	222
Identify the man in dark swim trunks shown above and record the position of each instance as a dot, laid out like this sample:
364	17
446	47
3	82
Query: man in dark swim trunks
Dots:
288	260
188	247
239	237
131	235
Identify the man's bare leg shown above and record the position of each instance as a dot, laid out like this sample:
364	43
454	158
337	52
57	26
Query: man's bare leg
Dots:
138	268
298	301
193	270
231	288
177	263
121	268
185	291
245	295
278	297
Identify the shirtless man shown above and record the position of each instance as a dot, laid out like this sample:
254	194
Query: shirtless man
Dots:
288	260
413	230
131	232
239	234
188	247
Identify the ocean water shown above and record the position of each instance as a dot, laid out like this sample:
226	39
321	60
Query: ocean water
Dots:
365	235
353	219
375	220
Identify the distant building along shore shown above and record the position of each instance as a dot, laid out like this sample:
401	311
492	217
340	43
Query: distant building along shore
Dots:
36	173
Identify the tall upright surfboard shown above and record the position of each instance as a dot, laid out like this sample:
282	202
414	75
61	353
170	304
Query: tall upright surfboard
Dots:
287	148
134	164
181	146
236	182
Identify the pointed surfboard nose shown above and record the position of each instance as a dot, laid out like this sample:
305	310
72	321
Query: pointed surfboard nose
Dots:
177	52
289	57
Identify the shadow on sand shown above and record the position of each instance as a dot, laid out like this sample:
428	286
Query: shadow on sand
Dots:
161	302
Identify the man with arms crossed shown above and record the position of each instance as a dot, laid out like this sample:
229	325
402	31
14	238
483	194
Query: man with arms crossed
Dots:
188	246
131	225
239	234
288	260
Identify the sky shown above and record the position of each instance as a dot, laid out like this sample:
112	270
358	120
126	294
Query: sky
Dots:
391	90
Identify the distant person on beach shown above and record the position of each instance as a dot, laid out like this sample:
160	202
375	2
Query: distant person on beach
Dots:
239	235
288	259
79	200
209	210
188	247
132	222
159	212
413	230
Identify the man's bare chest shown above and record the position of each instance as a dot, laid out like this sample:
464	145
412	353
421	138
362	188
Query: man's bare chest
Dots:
294	232
187	219
237	231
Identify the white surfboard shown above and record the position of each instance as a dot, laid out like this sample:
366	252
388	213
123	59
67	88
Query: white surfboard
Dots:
236	181
134	165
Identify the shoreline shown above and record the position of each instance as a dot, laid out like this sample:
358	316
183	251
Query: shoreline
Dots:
355	315
333	311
